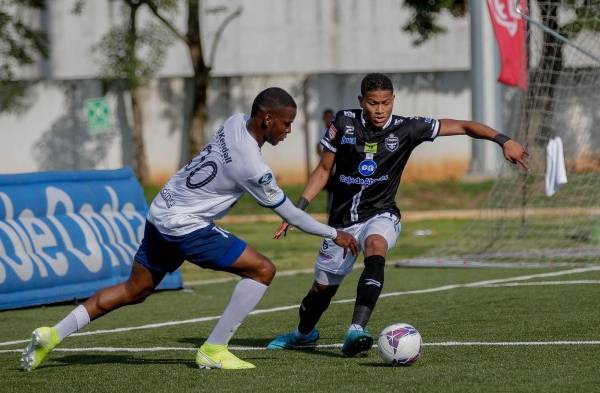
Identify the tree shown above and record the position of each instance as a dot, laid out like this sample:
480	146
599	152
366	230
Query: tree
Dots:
423	22
193	40
20	44
122	61
545	74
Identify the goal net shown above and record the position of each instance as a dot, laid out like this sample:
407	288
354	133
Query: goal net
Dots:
519	223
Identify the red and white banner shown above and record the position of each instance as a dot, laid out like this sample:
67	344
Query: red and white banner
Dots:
509	28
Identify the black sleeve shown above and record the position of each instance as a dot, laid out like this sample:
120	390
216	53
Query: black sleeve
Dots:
423	129
331	139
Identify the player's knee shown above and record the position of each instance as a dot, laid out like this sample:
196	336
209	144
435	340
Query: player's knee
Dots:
375	244
324	290
138	292
265	271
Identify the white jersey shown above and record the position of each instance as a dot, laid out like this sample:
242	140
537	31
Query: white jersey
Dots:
209	185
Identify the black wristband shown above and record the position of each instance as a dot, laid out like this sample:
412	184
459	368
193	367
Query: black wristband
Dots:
501	139
302	203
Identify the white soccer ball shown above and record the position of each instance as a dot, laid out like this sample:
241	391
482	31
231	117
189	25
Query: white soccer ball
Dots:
400	344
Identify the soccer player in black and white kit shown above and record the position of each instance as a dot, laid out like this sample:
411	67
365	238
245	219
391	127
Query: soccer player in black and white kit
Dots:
369	148
180	226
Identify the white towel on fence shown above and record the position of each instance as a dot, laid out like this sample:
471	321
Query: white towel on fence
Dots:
556	173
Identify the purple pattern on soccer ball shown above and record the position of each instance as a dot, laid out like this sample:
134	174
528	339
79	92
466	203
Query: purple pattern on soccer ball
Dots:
395	335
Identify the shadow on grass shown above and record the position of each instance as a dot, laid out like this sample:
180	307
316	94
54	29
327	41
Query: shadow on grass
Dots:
97	358
262	343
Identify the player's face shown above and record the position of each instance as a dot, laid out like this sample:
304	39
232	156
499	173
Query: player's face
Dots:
279	124
377	106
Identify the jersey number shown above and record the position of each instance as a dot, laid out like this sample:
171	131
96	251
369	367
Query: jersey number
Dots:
198	167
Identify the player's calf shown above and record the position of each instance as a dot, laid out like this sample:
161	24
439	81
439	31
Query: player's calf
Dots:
368	289
313	306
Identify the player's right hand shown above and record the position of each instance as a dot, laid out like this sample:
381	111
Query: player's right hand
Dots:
283	228
346	241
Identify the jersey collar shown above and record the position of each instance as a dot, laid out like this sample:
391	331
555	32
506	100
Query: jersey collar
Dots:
364	122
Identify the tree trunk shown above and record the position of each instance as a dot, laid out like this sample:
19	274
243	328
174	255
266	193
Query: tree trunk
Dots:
198	110
199	114
140	164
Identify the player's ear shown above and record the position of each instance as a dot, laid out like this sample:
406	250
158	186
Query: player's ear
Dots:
267	120
360	101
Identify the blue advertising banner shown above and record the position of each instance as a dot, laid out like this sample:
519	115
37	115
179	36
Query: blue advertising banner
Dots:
64	235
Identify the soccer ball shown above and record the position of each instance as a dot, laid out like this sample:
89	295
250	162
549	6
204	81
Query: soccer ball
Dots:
400	344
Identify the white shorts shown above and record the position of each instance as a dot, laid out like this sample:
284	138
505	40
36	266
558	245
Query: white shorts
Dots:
331	266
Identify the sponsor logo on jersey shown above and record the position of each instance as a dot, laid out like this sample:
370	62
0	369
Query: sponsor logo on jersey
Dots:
362	182
371	148
332	132
392	142
398	121
348	140
367	167
349	114
325	245
165	193
349	130
223	145
265	179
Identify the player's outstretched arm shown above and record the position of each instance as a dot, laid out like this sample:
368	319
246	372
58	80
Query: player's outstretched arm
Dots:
513	151
306	223
316	182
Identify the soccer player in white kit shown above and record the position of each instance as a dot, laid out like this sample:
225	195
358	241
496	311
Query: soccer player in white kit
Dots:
180	227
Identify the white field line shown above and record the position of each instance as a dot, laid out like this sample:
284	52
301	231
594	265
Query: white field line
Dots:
324	346
565	282
295	306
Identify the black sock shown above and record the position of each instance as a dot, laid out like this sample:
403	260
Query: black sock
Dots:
368	289
313	306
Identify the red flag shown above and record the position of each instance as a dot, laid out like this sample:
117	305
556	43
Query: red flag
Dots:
509	28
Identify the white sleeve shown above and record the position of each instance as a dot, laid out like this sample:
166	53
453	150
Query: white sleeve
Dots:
257	179
304	221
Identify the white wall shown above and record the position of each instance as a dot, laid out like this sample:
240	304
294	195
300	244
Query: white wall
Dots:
330	44
270	36
52	133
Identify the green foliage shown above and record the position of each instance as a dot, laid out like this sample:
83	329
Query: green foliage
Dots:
423	22
20	44
117	62
579	15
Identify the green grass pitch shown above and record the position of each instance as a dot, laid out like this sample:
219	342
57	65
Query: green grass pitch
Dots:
445	305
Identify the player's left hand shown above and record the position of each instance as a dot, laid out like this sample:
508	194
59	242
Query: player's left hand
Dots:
347	242
515	153
282	230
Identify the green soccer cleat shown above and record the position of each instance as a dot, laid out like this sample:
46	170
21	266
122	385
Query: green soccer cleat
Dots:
43	341
293	340
218	356
357	342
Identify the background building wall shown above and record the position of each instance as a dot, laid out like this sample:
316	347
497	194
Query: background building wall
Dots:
317	50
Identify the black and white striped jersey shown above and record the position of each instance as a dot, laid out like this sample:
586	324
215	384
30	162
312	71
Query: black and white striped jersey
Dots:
369	162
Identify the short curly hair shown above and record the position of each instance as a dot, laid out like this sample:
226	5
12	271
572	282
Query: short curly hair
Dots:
375	81
272	98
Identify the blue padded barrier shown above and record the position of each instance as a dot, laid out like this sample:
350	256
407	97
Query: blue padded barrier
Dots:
66	234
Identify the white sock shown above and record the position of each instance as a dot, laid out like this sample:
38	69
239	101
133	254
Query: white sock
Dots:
74	321
245	297
355	326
